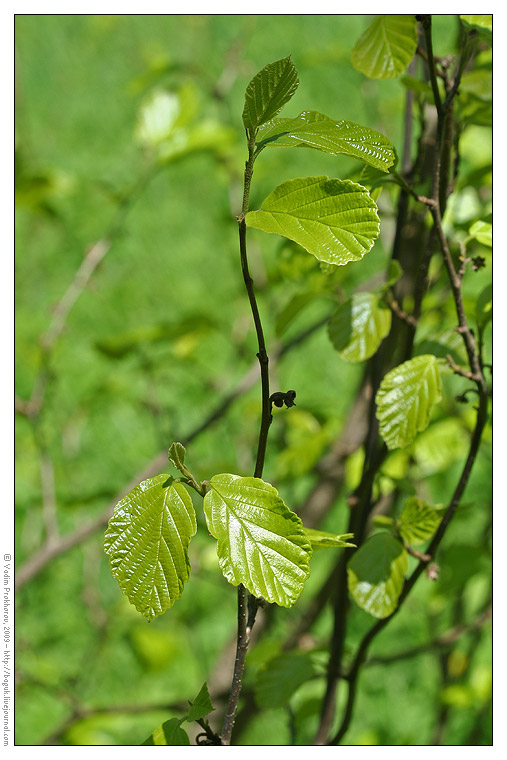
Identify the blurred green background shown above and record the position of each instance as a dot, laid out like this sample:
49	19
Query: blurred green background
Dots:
128	130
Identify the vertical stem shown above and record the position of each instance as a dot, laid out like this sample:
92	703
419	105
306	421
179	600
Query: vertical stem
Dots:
247	603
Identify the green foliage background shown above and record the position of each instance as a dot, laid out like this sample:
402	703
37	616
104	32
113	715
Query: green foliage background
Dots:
164	331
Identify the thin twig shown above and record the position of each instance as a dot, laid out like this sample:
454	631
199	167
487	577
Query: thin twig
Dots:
439	198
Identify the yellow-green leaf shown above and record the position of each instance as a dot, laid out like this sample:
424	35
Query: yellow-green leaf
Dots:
405	399
335	220
261	543
268	92
387	46
147	542
314	130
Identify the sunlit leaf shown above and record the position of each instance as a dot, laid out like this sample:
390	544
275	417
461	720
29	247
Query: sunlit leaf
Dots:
335	220
314	130
358	326
280	678
405	399
376	574
157	117
268	92
147	542
387	46
484	22
169	733
418	521
321	539
482	232
261	543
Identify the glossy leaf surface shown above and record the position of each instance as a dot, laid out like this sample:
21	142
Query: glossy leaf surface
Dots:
281	677
169	733
386	47
405	399
376	574
358	326
268	92
261	543
335	220
418	521
147	542
321	539
314	130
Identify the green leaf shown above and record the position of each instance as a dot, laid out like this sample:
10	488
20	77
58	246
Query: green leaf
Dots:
176	455
442	343
261	543
358	326
335	220
484	22
168	733
201	706
321	539
418	521
268	92
296	304
281	677
483	232
405	399
387	46
376	574
439	446
484	306
314	130
416	85
147	542
383	521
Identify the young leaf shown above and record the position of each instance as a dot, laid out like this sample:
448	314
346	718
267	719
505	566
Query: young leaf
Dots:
376	574
281	677
268	92
261	543
169	733
387	46
147	542
201	706
405	399
418	521
176	455
321	539
314	130
335	220
358	326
